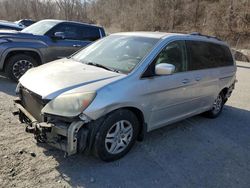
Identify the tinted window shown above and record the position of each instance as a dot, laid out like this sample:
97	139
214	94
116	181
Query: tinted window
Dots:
77	32
203	55
27	22
70	31
89	33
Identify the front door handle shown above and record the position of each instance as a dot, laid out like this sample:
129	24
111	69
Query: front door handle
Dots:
77	45
185	81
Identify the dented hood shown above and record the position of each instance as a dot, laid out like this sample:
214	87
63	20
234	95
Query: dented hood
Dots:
55	78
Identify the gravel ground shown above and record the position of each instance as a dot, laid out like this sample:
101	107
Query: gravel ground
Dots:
197	152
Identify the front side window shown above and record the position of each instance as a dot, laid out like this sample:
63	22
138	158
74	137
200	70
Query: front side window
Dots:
173	53
70	31
76	32
118	52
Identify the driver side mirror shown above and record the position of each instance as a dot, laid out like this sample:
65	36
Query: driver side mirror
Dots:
164	69
59	35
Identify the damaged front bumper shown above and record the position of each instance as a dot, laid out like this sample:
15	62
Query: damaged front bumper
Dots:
71	137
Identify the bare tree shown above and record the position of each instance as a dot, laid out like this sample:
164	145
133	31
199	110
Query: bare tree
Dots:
196	13
229	19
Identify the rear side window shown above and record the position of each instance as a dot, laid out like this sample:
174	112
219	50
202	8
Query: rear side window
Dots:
204	55
27	22
89	33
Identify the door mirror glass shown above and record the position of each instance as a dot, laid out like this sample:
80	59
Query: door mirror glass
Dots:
164	69
59	35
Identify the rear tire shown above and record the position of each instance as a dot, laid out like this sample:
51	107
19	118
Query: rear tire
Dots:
116	135
217	107
18	64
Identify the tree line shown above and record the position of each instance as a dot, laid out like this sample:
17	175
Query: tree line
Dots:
229	19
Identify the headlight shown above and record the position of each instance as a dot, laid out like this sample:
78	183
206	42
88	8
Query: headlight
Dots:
69	105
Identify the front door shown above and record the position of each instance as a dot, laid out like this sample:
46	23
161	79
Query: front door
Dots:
65	47
173	97
72	42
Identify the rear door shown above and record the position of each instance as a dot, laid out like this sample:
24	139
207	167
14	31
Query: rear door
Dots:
205	58
173	97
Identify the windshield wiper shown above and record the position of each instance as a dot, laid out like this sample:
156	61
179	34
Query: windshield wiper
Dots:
102	66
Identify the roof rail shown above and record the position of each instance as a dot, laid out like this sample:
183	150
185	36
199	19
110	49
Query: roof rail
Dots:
199	34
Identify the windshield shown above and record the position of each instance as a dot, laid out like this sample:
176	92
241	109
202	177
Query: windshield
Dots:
117	52
40	28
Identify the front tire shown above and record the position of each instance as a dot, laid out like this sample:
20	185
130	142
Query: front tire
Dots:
116	135
217	106
18	64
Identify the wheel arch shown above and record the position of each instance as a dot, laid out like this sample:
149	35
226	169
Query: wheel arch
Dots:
95	125
224	91
143	126
11	52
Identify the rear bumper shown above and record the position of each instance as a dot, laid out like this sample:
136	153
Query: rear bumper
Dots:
69	137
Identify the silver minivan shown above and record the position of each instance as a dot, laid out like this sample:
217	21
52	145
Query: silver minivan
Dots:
108	95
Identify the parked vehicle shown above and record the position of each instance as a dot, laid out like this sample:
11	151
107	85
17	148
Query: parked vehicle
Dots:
111	93
5	25
25	22
43	42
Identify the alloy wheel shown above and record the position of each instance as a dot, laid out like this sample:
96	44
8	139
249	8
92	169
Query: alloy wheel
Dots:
118	137
217	104
20	67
